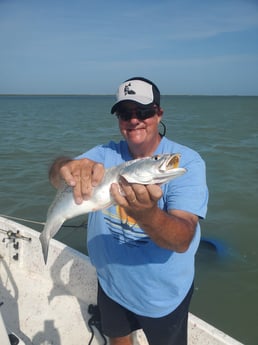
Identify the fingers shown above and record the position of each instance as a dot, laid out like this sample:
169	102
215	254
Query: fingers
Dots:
135	195
97	174
123	194
83	175
155	192
67	175
54	170
119	198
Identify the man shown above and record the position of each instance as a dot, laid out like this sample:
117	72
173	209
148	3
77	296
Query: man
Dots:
143	248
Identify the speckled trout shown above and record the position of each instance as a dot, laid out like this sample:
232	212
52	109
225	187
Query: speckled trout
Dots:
157	169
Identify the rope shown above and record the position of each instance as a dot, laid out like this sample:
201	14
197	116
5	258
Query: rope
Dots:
22	219
83	224
95	321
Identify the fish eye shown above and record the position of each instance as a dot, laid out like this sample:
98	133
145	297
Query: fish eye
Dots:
156	158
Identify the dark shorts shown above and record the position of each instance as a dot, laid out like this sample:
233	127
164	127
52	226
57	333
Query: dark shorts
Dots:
117	321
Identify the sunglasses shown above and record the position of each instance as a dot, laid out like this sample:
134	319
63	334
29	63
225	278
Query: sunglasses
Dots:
140	113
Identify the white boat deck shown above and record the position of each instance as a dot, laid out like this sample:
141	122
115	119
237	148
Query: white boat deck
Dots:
49	304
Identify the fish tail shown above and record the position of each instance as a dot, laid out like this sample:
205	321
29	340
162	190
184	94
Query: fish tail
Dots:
52	226
45	245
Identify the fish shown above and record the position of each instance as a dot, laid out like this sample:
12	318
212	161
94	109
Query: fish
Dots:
156	169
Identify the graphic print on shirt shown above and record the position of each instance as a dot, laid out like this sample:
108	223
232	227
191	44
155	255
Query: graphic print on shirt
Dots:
124	228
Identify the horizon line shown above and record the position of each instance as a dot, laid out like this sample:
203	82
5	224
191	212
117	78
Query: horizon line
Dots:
112	95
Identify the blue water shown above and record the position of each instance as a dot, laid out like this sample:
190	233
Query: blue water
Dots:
36	129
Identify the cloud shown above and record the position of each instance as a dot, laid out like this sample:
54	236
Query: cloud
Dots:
62	40
202	19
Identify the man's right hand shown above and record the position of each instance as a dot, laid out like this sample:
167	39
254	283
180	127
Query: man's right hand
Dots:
82	174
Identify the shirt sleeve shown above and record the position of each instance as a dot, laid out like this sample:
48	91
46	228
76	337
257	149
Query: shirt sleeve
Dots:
96	154
189	192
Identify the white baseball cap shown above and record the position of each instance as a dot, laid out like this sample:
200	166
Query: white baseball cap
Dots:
139	90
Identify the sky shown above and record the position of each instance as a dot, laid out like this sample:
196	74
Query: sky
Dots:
197	47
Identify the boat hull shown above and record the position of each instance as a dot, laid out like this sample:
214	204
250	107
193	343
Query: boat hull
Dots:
48	304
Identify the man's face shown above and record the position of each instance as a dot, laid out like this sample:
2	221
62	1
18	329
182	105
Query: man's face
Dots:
138	125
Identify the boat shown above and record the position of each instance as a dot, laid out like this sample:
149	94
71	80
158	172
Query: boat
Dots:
56	303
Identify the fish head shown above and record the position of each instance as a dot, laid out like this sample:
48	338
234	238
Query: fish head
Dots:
157	169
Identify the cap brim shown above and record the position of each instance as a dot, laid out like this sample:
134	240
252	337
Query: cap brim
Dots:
116	105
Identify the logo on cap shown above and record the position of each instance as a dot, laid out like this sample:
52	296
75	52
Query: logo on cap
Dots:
127	90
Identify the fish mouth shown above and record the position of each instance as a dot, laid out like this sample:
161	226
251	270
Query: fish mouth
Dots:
173	162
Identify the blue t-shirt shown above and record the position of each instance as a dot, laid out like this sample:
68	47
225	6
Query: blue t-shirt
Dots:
131	268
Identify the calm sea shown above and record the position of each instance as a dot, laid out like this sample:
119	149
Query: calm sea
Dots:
36	129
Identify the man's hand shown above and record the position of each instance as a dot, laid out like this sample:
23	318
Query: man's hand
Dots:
82	174
173	230
136	199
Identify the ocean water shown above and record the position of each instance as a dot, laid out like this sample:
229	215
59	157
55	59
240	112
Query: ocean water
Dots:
224	130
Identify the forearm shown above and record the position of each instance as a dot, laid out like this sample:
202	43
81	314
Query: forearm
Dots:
173	231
